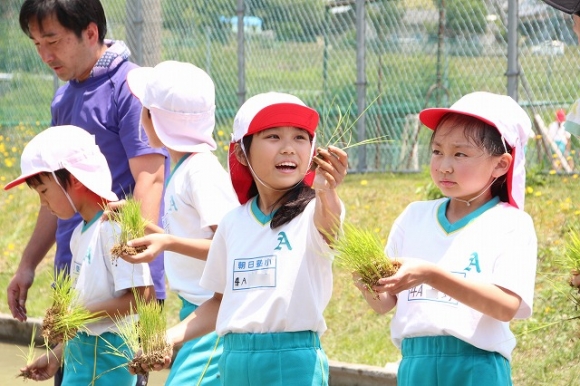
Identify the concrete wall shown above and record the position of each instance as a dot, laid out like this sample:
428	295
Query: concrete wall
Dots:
341	374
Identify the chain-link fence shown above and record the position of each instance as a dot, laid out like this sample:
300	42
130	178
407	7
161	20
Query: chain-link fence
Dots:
379	61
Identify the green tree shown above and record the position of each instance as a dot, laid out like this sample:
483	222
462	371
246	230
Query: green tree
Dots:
465	17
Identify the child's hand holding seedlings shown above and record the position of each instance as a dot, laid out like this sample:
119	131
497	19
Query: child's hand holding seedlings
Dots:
45	366
411	273
332	164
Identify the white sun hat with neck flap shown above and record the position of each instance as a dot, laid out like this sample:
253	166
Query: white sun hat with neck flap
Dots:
71	148
181	99
507	116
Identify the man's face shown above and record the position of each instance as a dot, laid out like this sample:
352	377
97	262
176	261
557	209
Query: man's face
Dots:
69	57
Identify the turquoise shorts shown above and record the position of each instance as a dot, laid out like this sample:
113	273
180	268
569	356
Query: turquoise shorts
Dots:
196	362
448	361
281	358
89	358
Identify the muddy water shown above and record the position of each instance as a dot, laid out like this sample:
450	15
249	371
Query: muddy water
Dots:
11	360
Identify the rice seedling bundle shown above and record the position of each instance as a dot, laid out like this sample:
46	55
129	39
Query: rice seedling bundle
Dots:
148	336
132	225
360	251
66	316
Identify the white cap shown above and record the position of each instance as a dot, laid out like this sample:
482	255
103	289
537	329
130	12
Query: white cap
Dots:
181	99
71	148
506	115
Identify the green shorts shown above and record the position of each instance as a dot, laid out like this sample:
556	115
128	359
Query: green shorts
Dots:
197	360
448	361
282	358
96	360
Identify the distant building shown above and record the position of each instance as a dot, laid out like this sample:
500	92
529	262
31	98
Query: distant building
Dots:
252	24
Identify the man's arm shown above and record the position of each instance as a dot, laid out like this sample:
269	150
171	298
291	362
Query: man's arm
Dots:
149	173
42	239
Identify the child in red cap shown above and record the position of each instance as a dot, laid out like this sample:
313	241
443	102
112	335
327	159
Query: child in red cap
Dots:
468	259
268	263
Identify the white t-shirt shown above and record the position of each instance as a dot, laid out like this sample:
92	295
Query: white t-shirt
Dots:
495	244
198	195
272	280
558	133
95	276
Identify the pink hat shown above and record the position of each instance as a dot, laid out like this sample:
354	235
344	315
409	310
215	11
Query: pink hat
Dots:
71	148
181	98
261	112
512	122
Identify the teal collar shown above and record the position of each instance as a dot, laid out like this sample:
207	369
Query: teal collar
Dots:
258	214
450	228
87	225
178	164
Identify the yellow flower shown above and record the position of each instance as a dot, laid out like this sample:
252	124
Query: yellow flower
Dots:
11	246
226	147
8	163
575	176
577	212
364	182
529	190
220	133
552	172
538	136
538	194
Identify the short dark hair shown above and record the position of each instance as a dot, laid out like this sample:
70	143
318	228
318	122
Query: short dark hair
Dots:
63	176
74	15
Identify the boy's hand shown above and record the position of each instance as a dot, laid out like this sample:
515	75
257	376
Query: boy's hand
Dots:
43	367
111	207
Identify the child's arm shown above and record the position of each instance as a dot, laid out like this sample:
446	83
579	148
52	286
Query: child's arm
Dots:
45	366
124	304
489	299
330	173
158	242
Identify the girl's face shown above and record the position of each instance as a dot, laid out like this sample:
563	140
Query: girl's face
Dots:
52	196
280	156
147	124
460	168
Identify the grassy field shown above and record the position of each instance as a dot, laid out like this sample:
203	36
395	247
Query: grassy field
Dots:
547	353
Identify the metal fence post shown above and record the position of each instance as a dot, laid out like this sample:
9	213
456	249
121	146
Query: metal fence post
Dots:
144	23
512	57
241	54
361	82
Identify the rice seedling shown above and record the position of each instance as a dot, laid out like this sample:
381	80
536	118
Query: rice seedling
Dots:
571	259
342	134
360	251
147	337
67	315
132	225
28	356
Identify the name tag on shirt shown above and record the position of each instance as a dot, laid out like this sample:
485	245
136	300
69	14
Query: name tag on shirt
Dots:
428	293
255	272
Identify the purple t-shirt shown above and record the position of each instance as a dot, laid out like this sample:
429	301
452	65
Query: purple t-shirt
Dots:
104	106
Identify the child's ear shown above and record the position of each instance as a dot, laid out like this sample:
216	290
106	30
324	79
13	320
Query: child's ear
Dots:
503	165
75	183
239	153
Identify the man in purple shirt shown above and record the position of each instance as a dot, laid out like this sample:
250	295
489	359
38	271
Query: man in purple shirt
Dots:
69	36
